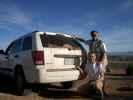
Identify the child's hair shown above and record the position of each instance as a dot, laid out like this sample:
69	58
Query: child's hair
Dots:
90	55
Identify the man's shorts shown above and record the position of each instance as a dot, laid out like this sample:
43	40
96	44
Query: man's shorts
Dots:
97	83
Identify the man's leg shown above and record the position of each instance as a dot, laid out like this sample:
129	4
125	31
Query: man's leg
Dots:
99	87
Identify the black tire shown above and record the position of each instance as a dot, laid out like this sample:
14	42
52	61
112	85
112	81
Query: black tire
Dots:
67	85
19	81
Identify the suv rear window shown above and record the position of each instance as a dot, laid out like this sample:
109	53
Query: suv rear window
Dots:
58	41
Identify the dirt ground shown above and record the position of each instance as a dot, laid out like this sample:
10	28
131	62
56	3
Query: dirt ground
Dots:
118	86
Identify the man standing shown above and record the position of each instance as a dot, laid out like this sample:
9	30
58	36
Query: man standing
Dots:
98	47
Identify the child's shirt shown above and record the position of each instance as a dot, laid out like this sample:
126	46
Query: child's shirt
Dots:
94	70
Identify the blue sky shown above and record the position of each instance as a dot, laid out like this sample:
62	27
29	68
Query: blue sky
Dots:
112	18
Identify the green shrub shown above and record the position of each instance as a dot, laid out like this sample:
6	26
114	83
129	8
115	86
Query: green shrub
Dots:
129	70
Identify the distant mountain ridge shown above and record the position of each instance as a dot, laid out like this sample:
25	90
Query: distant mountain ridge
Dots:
130	53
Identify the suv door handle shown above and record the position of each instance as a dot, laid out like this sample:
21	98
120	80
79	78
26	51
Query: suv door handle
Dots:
16	56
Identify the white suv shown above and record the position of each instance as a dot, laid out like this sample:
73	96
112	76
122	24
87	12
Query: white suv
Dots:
43	57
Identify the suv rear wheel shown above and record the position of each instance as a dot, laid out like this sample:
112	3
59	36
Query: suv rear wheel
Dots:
19	81
67	85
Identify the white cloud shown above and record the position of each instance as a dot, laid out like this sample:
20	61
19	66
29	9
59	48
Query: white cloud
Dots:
12	15
14	20
124	7
128	4
120	39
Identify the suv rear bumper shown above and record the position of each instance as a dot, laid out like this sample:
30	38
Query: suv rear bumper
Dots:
46	76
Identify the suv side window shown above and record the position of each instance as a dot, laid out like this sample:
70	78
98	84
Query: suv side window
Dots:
18	45
10	48
27	43
15	47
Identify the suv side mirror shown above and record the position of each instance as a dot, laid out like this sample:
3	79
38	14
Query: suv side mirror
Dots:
2	52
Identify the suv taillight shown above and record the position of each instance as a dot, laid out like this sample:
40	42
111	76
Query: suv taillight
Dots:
38	57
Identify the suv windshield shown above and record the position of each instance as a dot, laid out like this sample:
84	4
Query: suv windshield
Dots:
58	41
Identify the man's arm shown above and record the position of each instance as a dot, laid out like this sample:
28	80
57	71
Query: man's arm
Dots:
103	52
101	72
104	47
